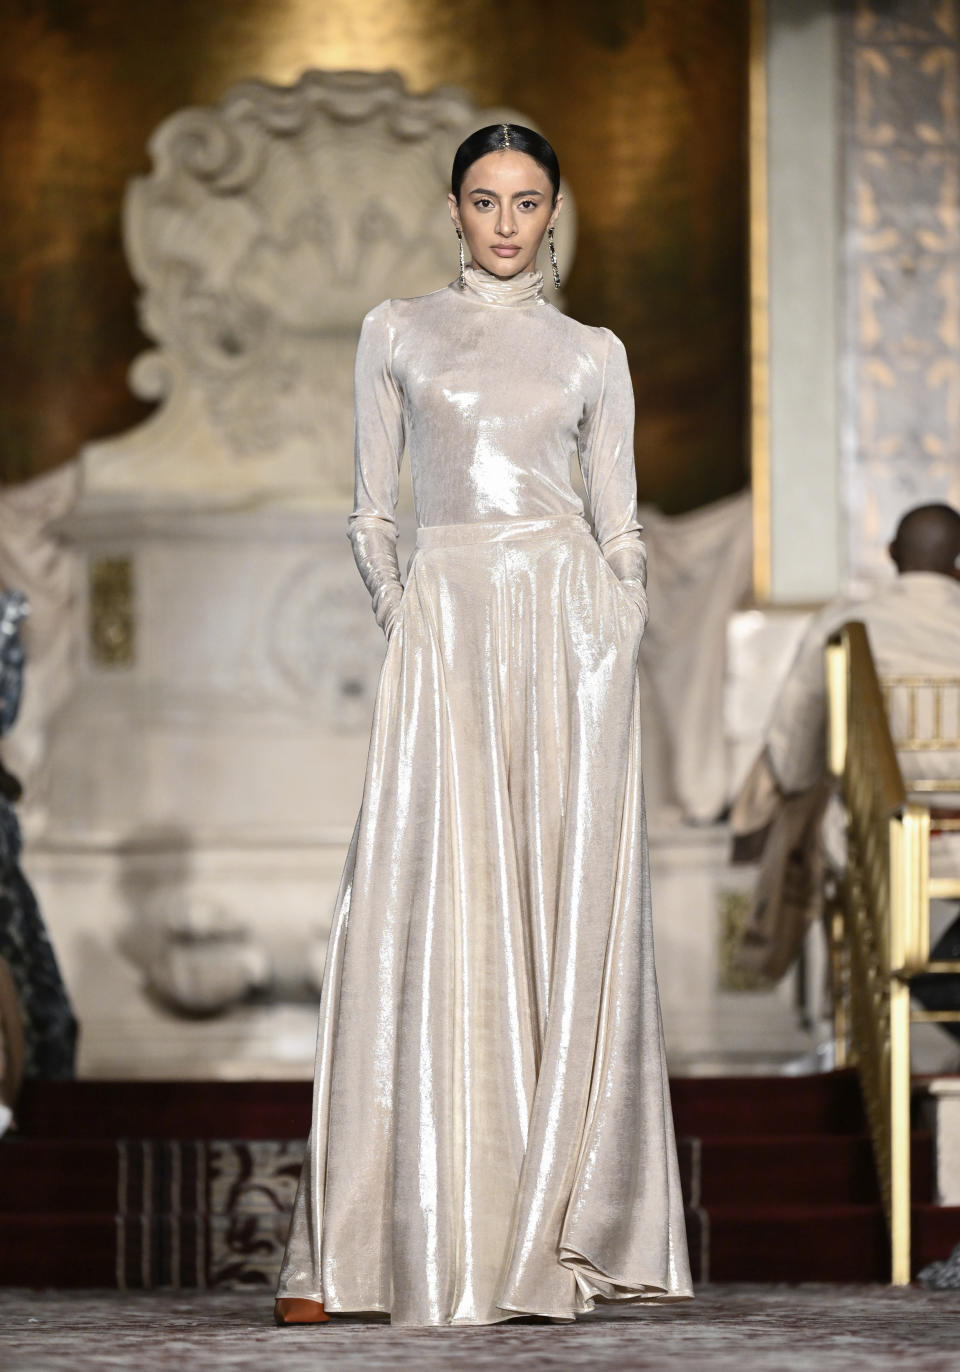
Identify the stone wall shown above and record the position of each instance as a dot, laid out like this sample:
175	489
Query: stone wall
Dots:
900	376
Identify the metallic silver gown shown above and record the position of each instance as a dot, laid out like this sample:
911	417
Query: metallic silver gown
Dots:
492	1132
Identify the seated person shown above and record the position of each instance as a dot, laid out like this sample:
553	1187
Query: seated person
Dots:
913	624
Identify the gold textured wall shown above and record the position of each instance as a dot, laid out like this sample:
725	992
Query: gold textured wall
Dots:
644	100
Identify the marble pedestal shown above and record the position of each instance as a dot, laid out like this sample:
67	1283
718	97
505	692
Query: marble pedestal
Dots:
202	781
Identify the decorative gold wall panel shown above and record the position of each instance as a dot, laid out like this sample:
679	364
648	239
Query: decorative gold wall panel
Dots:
644	101
901	267
111	620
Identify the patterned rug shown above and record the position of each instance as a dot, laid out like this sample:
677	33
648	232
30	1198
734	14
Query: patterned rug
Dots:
726	1329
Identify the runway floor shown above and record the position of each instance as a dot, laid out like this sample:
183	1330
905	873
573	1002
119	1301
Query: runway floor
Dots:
740	1328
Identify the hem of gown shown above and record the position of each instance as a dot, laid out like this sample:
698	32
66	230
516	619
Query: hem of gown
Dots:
589	1273
633	1293
648	1295
508	1313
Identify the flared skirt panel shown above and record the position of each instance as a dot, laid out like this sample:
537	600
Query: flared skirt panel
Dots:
492	1132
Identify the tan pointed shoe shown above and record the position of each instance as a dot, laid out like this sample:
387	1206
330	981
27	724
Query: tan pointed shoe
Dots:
295	1310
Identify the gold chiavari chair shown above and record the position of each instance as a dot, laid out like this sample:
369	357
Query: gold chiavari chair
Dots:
880	925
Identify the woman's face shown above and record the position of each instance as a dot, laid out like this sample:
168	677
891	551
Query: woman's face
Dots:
506	206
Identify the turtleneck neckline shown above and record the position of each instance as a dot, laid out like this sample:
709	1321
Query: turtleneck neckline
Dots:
498	290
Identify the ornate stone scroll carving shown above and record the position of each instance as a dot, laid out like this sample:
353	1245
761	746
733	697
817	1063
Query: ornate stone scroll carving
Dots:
268	226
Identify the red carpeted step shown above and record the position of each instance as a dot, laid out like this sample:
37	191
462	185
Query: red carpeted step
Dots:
150	1251
50	1176
76	1251
698	1242
711	1107
687	1158
922	1167
772	1243
837	1243
58	1250
817	1169
46	1176
132	1183
165	1109
703	1106
936	1233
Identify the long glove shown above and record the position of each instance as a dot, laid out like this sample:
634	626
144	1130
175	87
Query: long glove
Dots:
374	543
627	556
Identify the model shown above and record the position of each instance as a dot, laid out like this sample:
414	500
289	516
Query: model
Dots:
491	1132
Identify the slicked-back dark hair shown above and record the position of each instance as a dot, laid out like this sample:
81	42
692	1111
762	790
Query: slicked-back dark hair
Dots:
497	137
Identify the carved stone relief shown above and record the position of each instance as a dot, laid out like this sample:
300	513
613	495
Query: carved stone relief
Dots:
269	225
322	645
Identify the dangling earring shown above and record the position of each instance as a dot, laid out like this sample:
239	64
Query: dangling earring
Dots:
460	239
553	258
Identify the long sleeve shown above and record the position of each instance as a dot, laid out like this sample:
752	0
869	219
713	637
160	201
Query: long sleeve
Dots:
378	451
606	462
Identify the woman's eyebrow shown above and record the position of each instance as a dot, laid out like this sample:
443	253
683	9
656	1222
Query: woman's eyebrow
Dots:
482	190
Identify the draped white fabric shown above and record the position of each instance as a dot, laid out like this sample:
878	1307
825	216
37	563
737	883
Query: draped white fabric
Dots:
701	571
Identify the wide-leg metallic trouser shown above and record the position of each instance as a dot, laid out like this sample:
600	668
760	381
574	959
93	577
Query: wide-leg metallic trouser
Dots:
492	1131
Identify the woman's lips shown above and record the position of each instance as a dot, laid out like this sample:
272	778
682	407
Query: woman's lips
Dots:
505	251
